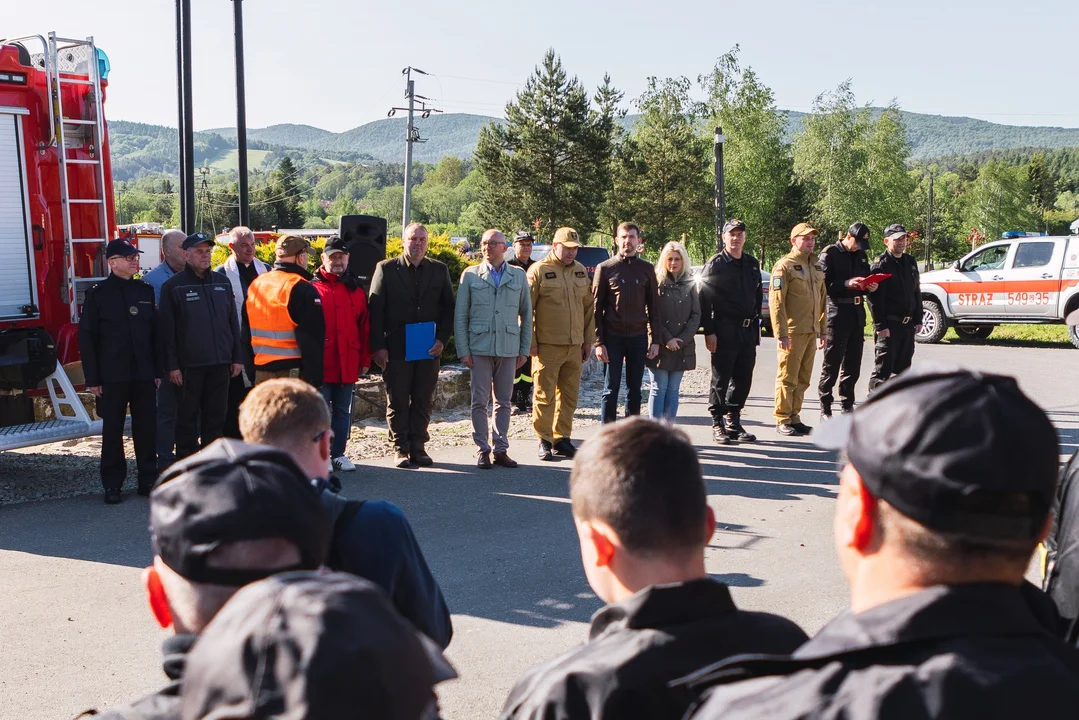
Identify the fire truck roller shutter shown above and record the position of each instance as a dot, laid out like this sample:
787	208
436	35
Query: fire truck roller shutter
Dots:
16	261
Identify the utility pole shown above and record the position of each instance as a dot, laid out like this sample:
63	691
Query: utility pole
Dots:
720	200
412	135
929	224
241	110
186	118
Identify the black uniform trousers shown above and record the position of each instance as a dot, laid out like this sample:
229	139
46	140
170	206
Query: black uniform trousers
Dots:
201	406
112	409
522	389
238	391
732	371
410	394
842	353
893	353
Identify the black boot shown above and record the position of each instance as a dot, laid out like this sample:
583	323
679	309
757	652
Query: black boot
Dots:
735	430
825	412
719	432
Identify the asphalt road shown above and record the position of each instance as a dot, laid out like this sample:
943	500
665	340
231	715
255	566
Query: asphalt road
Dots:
75	632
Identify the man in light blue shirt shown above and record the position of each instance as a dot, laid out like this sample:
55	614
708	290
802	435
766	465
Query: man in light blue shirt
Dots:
174	260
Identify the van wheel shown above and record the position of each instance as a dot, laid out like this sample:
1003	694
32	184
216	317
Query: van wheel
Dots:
934	324
1073	334
973	332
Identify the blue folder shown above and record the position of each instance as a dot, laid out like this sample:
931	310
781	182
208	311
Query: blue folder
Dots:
419	339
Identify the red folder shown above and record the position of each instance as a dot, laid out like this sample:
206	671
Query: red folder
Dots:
874	278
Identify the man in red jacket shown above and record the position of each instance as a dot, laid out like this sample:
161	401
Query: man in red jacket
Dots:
347	353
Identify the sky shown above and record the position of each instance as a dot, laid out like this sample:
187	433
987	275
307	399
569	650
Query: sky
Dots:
336	64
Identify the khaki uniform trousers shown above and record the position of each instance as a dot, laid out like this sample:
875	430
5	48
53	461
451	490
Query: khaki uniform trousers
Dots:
556	378
795	375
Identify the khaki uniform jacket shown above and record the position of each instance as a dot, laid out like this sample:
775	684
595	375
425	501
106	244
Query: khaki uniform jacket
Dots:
563	311
798	298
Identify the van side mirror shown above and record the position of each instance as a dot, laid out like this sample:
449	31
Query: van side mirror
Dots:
955	265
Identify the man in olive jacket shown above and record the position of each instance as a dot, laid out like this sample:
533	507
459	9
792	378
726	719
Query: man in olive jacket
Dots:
409	289
493	327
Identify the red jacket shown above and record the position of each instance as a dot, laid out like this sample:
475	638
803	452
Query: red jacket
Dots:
344	304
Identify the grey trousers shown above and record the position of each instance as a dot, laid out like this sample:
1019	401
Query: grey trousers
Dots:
488	372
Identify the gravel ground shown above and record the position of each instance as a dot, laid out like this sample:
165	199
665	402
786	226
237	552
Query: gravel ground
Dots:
70	468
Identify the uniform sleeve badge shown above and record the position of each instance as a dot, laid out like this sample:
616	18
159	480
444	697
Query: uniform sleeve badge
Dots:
777	282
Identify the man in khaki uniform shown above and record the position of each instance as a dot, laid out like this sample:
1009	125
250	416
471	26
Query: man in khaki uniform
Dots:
797	303
563	330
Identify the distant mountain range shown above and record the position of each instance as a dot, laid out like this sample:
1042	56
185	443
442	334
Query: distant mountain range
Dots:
140	149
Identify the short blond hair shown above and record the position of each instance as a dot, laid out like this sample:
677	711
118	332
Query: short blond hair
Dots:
279	411
661	265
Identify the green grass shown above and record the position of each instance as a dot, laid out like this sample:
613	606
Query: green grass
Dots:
1004	335
230	160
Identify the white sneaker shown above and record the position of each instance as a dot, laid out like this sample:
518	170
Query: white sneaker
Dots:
342	464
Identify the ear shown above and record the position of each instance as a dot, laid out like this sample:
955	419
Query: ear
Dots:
155	594
709	524
324	446
603	548
867	519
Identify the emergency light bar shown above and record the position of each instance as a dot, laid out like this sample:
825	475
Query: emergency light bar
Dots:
1012	234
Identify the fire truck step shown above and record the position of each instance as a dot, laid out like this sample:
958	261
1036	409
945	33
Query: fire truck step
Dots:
88	240
17	436
73	81
85	201
68	121
72	161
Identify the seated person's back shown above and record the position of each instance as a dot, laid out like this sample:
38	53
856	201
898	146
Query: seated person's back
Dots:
943	498
643	522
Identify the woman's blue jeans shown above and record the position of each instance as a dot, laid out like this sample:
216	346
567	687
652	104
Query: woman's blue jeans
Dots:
663	402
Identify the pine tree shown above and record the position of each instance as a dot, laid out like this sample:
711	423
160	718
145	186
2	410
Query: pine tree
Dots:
546	165
286	194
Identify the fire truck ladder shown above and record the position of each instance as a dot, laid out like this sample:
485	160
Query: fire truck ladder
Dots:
61	52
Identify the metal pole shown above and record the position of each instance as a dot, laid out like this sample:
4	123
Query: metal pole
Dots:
407	208
241	109
187	120
720	199
180	107
929	225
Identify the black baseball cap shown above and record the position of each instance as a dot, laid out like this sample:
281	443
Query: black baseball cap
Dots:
955	450
860	232
733	224
894	230
195	239
120	248
335	245
313	646
229	492
523	235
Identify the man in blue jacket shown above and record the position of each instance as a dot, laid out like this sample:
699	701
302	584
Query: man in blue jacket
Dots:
372	538
200	345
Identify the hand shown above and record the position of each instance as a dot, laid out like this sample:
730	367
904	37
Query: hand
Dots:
95	390
364	371
586	350
436	349
534	351
653	351
601	354
785	343
467	360
917	328
855	283
884	333
820	343
711	343
381	357
176	377
157	383
674	344
872	287
521	360
237	368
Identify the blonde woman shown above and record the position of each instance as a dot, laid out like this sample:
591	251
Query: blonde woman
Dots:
680	311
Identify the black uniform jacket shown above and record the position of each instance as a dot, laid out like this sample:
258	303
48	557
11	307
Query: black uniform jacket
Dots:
118	332
305	309
198	321
523	264
1062	563
974	652
397	299
730	294
636	647
840	265
165	703
898	297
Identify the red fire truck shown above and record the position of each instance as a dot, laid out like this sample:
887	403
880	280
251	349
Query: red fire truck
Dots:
56	215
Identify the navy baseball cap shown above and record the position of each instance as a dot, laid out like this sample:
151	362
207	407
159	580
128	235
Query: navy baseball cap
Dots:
955	450
120	248
313	646
860	232
733	224
229	492
893	231
523	235
195	239
335	245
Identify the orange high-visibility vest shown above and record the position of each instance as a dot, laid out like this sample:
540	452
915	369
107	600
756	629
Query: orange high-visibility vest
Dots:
273	333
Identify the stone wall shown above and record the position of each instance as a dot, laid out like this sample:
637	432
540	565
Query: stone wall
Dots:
453	391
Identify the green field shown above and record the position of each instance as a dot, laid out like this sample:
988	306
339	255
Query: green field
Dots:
1020	335
230	160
